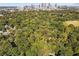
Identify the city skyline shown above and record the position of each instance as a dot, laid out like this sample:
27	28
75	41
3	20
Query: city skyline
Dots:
24	4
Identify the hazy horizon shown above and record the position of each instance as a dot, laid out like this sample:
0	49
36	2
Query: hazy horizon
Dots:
24	4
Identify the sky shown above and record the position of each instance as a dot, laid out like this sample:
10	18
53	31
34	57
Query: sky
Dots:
35	1
24	2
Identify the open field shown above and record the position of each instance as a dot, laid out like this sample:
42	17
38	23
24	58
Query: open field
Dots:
75	23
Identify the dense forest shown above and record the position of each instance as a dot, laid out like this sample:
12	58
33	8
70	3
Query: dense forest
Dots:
39	33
